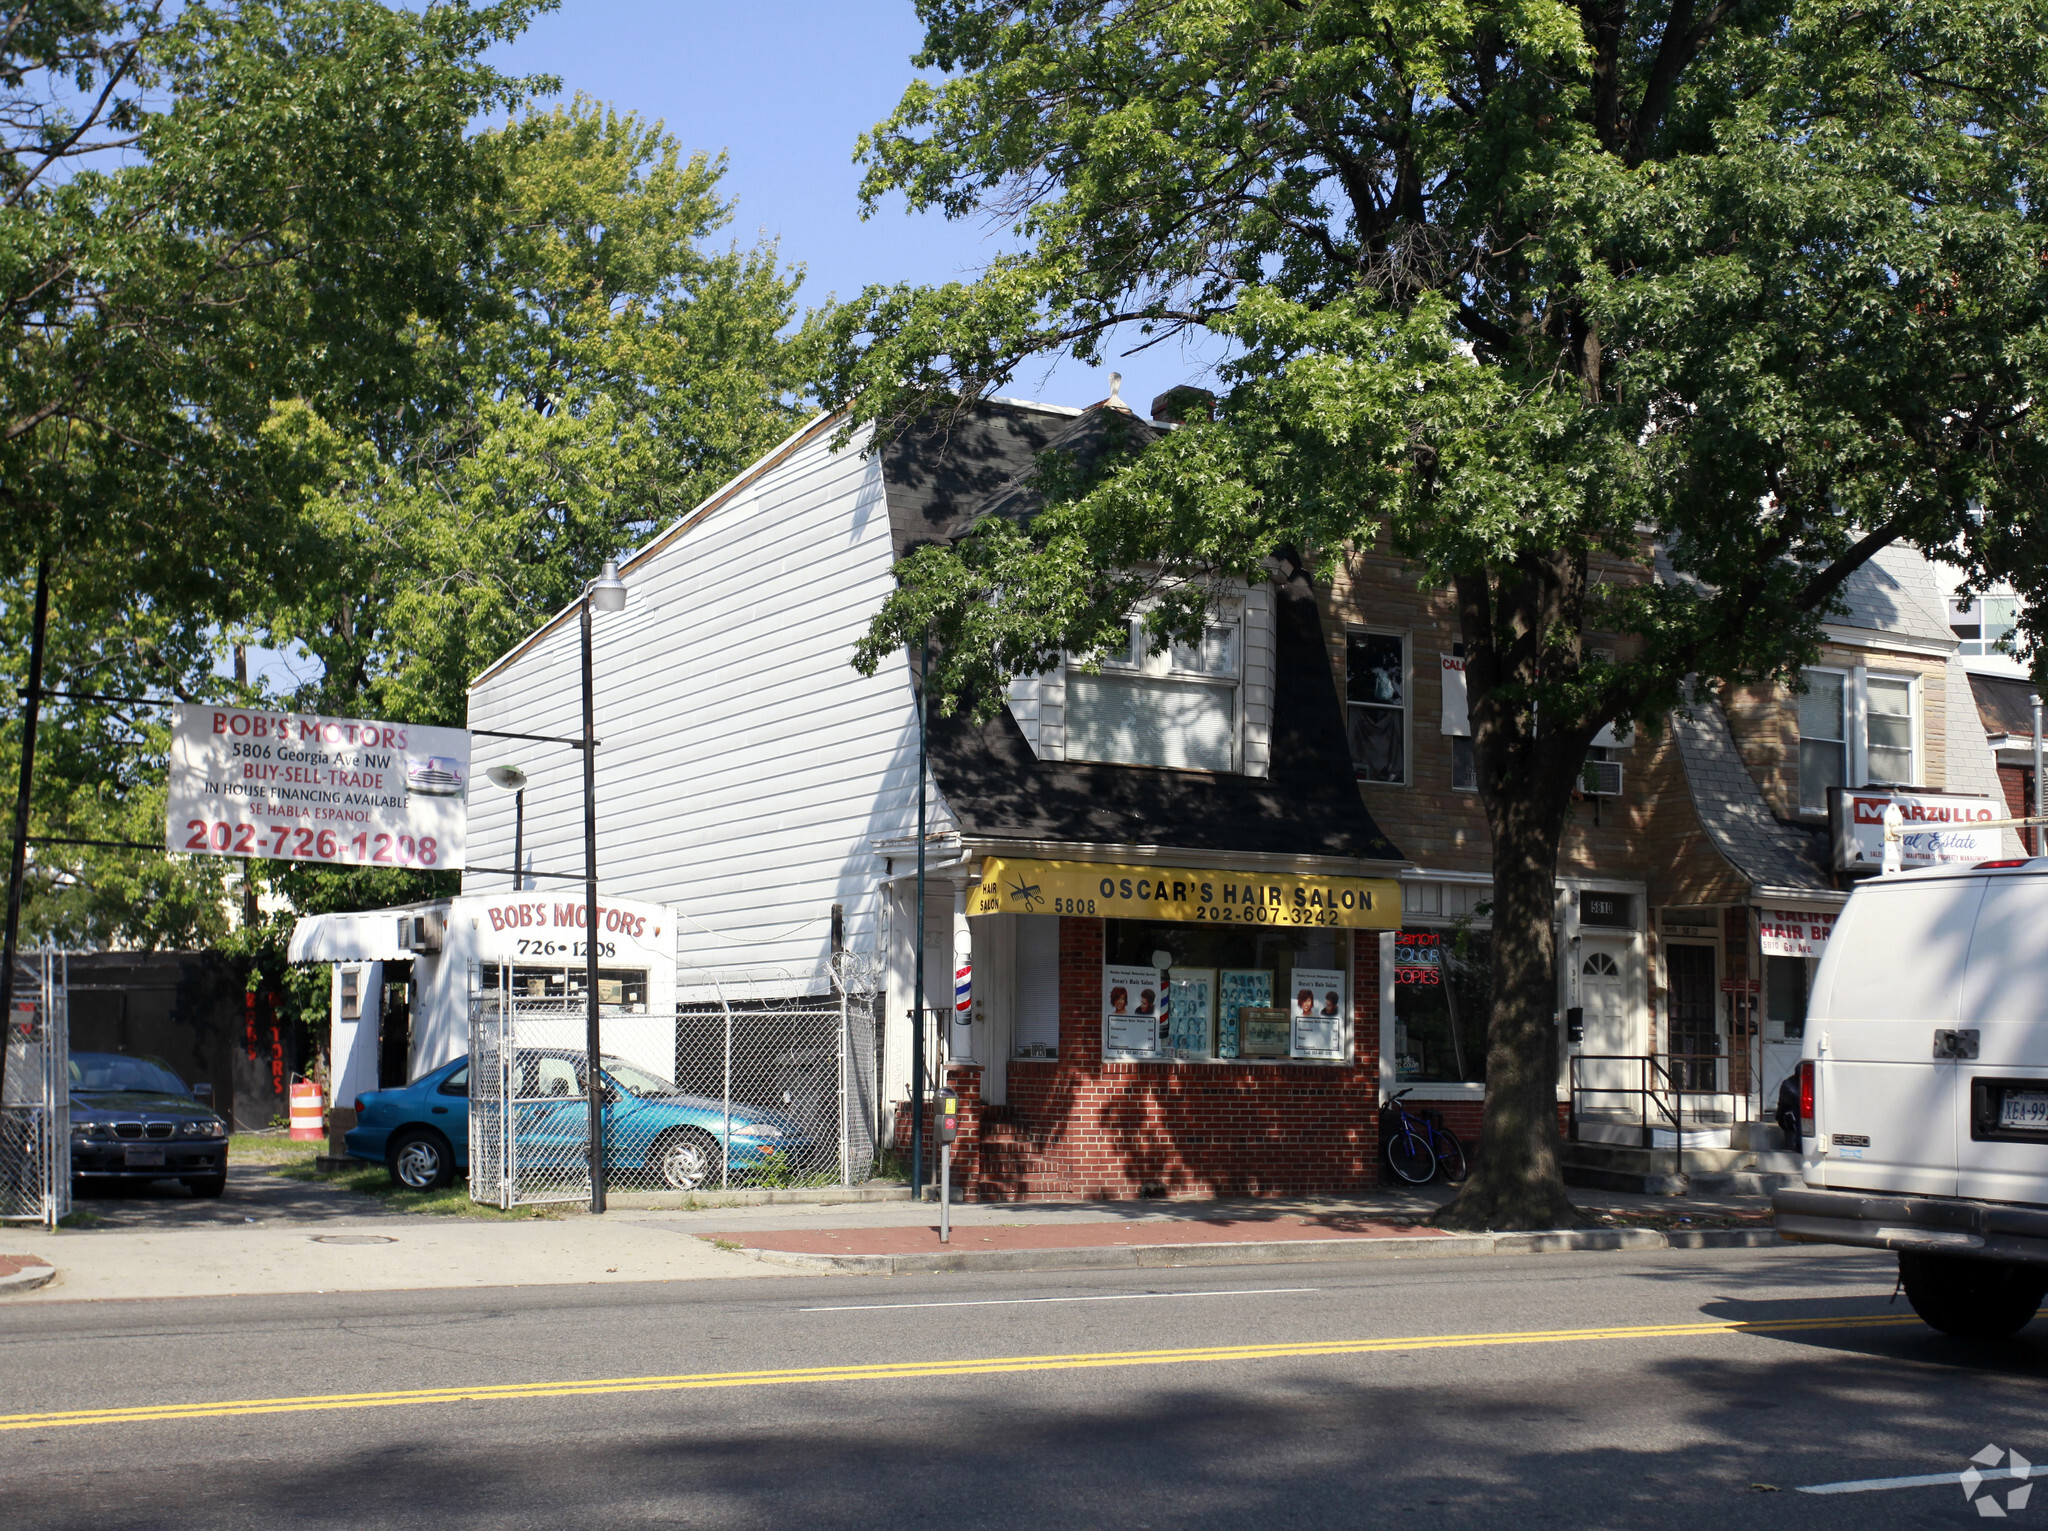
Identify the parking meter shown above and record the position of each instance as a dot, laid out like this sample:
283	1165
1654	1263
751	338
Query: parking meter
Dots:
949	1130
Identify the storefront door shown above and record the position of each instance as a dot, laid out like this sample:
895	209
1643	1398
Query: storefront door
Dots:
1695	1041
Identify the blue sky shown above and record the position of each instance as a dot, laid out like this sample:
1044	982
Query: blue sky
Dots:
785	87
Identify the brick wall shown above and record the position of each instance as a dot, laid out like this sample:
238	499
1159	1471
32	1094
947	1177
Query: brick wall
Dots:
2018	785
1433	824
1082	1128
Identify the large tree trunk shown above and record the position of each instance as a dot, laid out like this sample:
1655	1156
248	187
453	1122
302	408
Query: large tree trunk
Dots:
1516	1181
1517	634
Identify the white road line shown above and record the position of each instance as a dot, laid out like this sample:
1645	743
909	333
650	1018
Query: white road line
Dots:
1865	1485
1018	1302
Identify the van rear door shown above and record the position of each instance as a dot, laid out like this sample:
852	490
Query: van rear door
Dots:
1893	976
2001	1095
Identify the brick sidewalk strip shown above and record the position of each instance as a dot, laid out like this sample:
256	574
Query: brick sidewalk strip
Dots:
1055	1246
1116	1233
24	1273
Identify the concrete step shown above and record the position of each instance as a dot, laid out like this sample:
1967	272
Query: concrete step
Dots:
1745	1183
1701	1171
1636	1160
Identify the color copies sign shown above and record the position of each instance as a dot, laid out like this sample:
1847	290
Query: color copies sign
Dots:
1795	932
1195	894
1935	828
297	787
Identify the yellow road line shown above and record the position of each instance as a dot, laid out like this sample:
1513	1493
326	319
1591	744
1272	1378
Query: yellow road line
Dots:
903	1370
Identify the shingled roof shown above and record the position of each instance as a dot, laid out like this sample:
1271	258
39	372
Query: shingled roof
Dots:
1779	859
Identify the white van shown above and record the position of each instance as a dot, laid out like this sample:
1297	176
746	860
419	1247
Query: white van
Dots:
1924	1091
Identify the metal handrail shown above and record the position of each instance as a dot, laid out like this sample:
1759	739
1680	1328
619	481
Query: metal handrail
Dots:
1656	1084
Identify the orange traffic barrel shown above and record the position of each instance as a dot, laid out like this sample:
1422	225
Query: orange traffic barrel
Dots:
309	1119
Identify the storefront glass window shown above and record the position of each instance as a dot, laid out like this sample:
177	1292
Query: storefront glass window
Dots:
1443	991
1785	995
1215	972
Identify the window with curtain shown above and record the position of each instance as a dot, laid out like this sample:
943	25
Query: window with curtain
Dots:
1823	737
1376	704
1888	704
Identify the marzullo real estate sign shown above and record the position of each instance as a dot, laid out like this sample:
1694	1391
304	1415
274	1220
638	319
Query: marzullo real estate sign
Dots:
300	787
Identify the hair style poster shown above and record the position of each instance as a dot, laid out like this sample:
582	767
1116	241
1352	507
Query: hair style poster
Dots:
1193	1027
1316	1005
1236	988
1132	1026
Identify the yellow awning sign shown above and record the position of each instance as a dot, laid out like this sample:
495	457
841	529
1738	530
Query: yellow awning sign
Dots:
1196	894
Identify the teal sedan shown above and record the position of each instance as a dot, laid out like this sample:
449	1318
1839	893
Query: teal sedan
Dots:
653	1131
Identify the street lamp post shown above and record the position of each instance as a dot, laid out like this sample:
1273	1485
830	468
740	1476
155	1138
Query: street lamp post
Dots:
605	593
513	780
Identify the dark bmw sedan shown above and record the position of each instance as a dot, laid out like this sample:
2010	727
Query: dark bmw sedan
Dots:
133	1119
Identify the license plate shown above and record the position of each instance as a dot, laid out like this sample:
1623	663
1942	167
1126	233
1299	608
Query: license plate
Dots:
145	1158
2024	1108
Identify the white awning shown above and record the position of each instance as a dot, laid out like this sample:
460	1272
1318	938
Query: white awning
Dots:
371	936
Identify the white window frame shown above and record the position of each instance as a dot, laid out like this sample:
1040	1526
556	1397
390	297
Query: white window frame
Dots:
1407	708
1150	663
1850	775
1864	677
1856	681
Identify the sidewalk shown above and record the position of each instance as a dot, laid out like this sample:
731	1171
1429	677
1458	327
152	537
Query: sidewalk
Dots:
387	1251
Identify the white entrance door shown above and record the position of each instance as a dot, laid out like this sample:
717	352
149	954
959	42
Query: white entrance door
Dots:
1604	993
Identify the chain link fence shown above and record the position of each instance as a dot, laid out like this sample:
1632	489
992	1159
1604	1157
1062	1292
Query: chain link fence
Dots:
35	1102
752	1080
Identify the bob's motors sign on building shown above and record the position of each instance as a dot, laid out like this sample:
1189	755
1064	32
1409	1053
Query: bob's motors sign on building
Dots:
1934	827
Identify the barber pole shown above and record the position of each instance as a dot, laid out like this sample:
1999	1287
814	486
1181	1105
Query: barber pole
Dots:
963	994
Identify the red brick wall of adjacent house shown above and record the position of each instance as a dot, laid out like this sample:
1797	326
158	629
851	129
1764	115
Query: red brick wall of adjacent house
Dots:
2018	782
1082	1128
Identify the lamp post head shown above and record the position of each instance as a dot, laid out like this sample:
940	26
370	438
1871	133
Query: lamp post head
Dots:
608	592
511	778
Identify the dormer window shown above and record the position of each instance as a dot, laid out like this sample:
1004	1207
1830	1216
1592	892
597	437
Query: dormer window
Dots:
1160	704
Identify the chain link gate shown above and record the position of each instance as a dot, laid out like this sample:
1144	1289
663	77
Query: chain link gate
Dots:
35	1108
750	1082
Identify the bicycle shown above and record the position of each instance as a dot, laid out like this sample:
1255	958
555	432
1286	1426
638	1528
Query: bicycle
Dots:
1418	1146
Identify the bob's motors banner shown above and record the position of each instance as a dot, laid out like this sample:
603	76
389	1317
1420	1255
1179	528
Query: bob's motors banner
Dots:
295	786
1935	827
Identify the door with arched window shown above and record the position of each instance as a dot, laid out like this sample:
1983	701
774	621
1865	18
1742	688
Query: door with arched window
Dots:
1603	993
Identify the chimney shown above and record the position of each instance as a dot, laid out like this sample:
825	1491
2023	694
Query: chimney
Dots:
1183	403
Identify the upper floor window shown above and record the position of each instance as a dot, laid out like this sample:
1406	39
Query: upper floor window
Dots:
1823	737
1854	727
1889	700
1161	704
1987	625
1376	704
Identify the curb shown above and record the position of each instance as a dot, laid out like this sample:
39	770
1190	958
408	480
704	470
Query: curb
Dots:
1278	1252
27	1279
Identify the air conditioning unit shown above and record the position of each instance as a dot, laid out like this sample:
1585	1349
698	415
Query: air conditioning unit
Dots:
422	932
1600	778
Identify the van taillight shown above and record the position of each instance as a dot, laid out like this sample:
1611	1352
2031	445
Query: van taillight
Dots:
1806	1098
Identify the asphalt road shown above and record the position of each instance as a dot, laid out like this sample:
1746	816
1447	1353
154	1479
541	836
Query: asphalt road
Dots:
1445	1392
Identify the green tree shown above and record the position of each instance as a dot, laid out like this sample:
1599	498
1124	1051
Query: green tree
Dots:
629	370
1518	289
218	222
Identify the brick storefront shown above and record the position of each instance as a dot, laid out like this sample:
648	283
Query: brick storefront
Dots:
1079	1127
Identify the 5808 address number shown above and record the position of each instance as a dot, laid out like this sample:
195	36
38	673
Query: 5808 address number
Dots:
296	842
